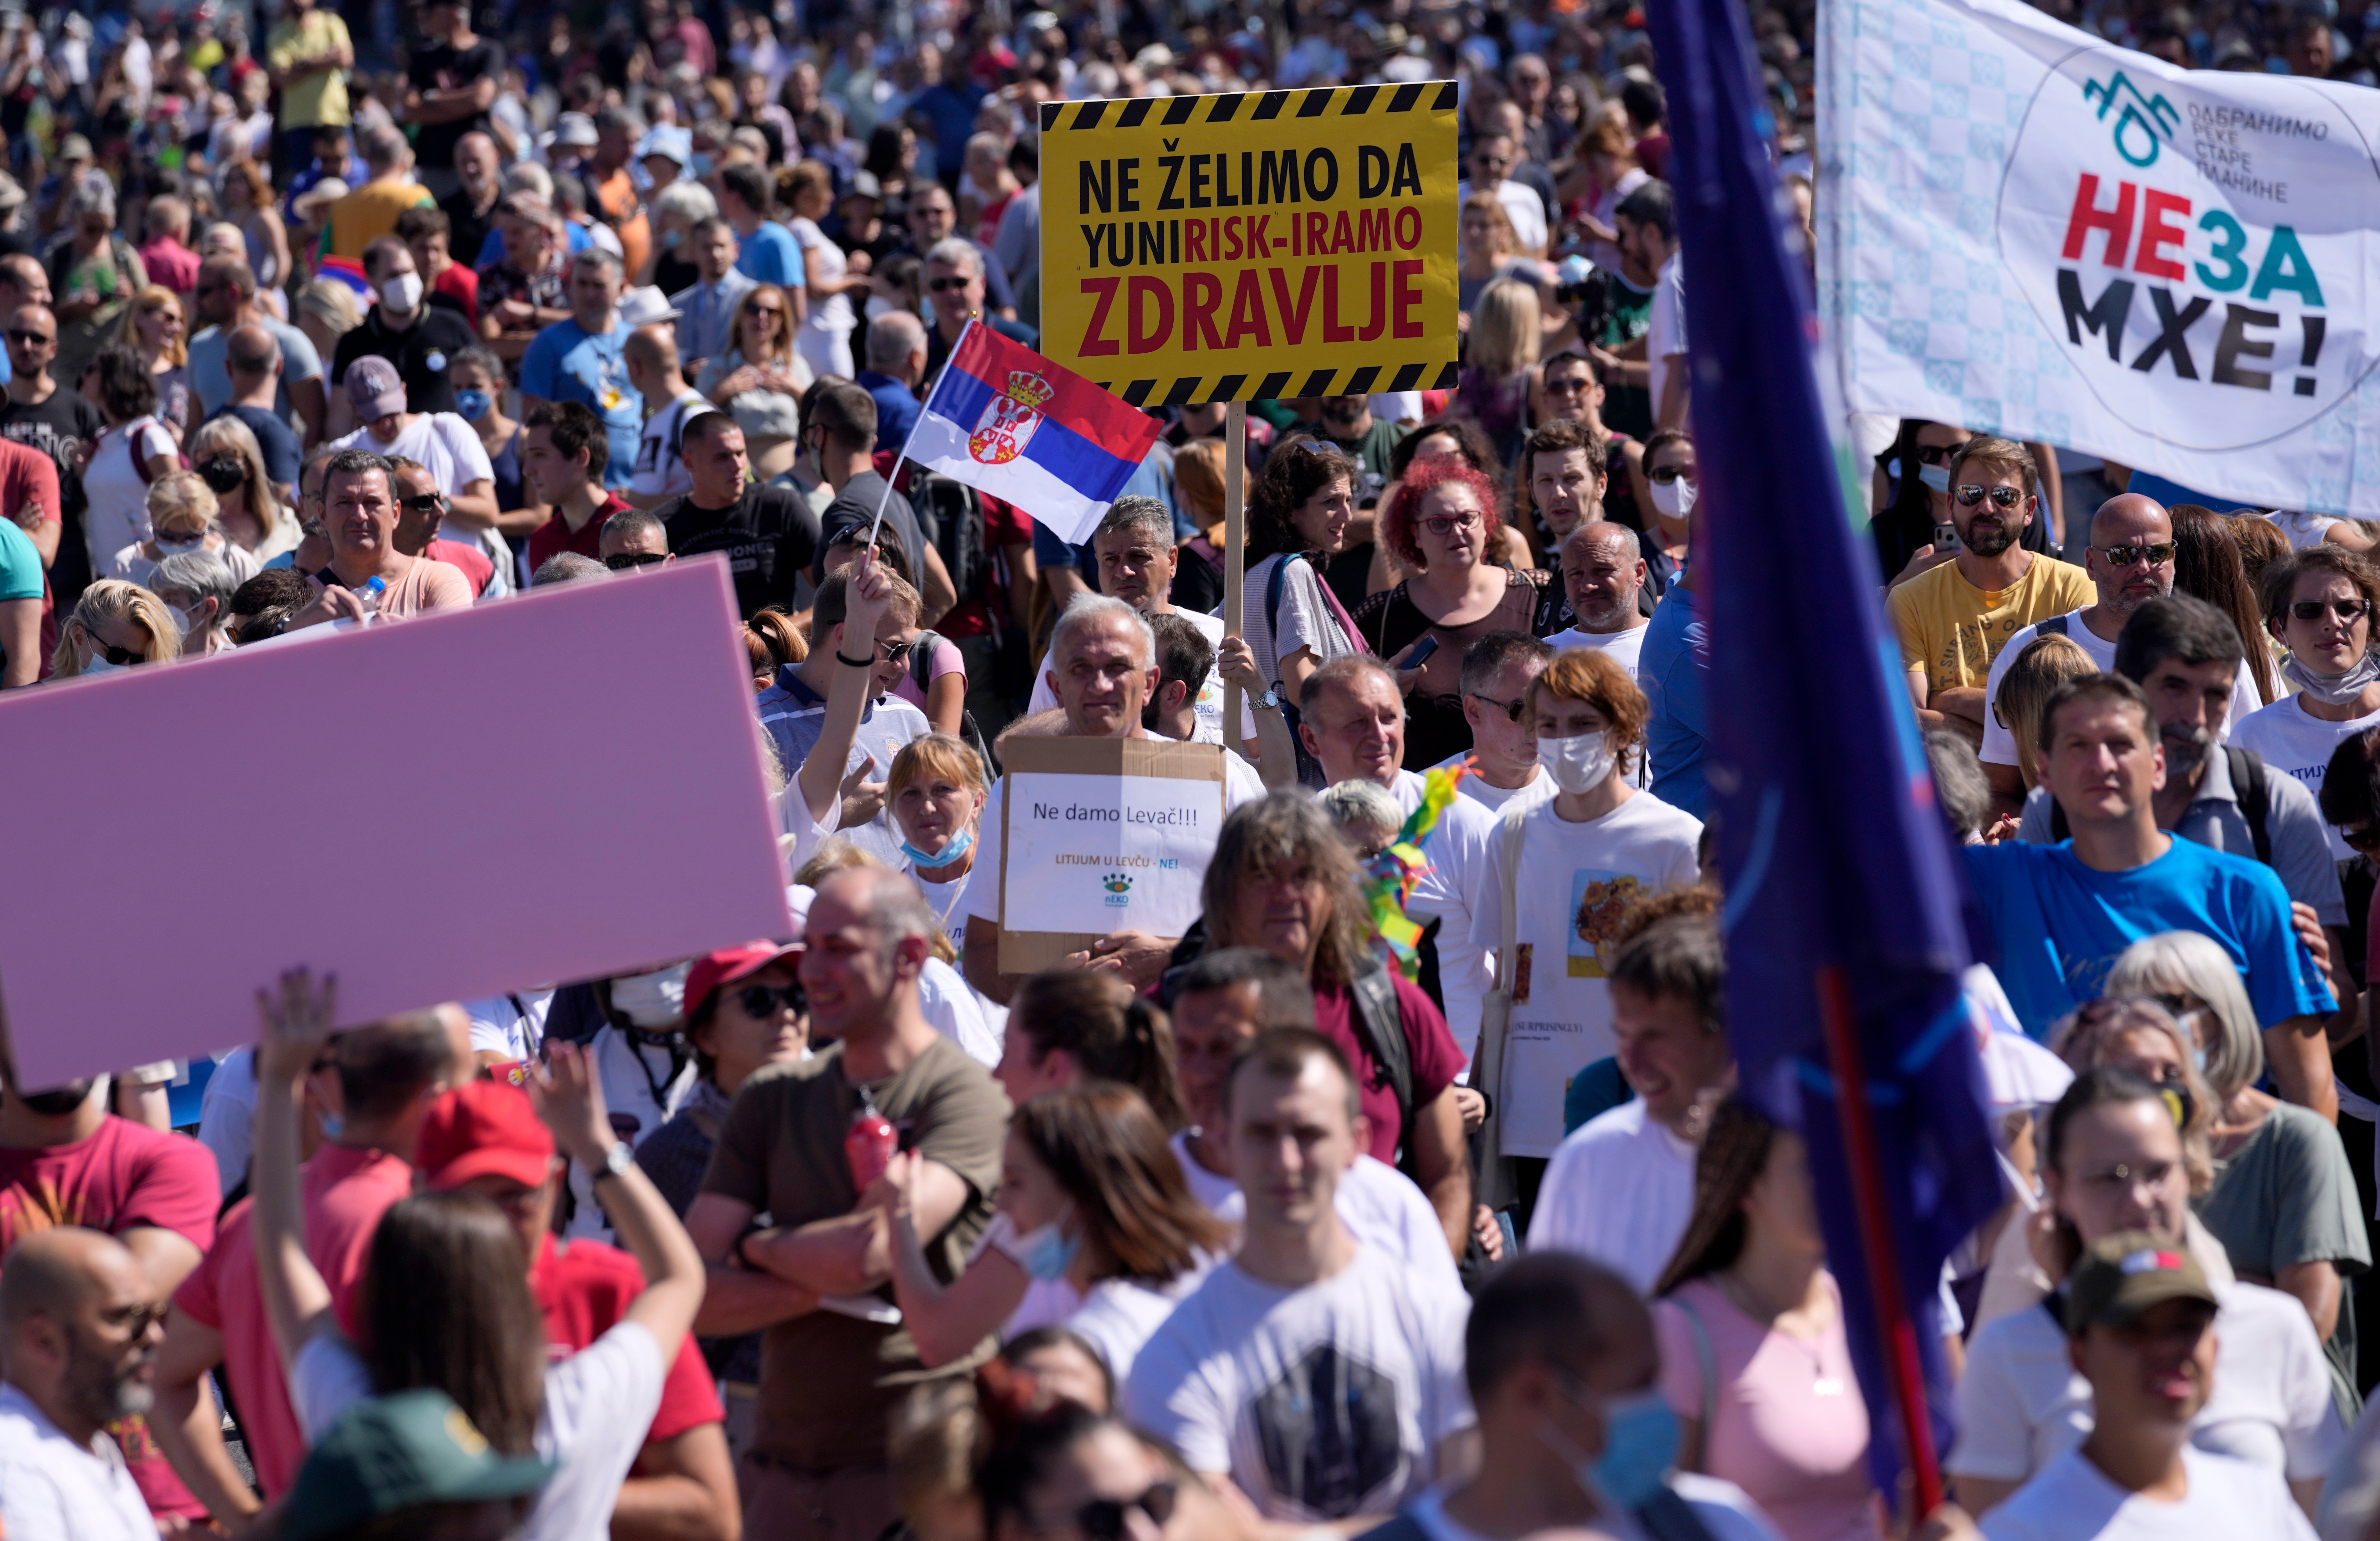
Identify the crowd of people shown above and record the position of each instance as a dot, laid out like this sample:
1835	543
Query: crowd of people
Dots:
319	318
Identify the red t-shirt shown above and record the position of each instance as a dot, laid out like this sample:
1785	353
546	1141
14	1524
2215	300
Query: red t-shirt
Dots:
460	284
28	475
169	262
556	536
124	1177
1435	1058
584	1290
344	1193
471	560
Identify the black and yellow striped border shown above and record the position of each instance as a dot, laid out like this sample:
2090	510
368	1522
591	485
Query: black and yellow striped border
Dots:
1354	102
1186	390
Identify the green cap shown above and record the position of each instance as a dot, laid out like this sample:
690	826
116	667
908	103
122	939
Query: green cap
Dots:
2126	1274
396	1452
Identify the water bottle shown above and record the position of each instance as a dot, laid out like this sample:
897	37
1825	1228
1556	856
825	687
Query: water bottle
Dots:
869	1143
368	597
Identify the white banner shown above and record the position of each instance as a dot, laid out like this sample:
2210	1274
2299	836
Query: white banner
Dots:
2026	231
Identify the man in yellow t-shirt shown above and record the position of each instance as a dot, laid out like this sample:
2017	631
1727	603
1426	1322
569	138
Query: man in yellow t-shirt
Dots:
308	56
1954	618
369	212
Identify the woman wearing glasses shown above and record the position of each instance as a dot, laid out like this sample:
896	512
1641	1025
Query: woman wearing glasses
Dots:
1441	523
154	329
759	379
114	626
2318	603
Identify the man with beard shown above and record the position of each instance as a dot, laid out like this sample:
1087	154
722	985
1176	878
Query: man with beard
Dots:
1955	620
79	1334
2130	560
1603	572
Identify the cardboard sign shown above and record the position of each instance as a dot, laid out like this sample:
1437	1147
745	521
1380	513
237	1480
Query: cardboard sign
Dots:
2085	245
1253	245
557	787
1101	835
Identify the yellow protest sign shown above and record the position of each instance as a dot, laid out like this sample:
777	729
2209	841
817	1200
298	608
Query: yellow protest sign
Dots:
1253	245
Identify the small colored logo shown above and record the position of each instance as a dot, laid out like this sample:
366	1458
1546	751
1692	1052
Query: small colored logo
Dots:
2143	123
1011	419
1119	890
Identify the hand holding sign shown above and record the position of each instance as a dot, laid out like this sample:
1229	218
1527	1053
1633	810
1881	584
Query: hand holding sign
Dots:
297	1020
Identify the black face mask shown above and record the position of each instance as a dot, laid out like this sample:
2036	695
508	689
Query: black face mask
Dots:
58	1101
223	475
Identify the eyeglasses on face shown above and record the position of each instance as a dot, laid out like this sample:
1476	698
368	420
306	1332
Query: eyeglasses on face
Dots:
1661	476
1447	524
896	652
621	562
426	502
769	310
1971	493
29	338
2157	556
1511	710
121	657
1935	454
762	1001
947	285
2362	837
1104	1519
2346	610
1568	386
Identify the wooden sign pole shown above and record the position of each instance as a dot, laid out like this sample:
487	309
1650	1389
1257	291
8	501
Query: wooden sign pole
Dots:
1235	543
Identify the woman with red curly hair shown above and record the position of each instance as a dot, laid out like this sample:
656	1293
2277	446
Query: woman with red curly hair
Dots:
1441	522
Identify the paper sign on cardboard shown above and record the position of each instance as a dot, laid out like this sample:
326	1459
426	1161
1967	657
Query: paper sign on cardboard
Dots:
1102	835
558	786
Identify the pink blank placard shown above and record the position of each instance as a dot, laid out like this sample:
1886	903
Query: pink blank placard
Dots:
554	787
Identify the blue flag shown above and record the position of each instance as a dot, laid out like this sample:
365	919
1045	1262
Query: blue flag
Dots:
1839	871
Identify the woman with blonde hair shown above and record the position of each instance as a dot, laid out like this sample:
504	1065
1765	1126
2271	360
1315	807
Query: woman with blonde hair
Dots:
183	517
1487	245
2046	663
759	379
1498	377
153	327
114	626
935	793
2283	1202
2137	1033
248	509
248	203
326	312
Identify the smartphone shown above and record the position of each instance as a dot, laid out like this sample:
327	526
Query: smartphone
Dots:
1946	537
1421	652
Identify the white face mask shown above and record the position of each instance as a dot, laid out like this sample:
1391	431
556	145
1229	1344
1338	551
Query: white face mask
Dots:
1675	499
181	548
651	999
402	293
1577	765
95	664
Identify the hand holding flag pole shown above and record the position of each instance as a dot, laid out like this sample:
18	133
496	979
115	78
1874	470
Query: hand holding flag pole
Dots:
894	474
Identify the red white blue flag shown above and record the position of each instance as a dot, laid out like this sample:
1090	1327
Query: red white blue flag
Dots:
1007	421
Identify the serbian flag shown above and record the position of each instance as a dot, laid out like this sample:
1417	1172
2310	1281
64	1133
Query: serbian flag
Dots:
1009	423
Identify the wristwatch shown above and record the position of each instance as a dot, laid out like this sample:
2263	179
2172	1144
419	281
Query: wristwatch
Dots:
1269	701
617	1161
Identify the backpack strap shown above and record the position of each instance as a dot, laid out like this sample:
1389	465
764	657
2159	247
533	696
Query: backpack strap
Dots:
1377	1021
2055	626
921	658
2255	797
1272	608
1707	1365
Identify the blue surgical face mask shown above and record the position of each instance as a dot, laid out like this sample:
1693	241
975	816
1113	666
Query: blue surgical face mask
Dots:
1935	478
701	167
473	404
1047	1252
960	844
1640	1445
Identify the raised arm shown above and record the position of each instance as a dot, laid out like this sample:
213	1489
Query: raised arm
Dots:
866	597
297	1026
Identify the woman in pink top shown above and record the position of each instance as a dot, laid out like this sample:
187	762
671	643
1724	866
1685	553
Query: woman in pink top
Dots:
1753	1359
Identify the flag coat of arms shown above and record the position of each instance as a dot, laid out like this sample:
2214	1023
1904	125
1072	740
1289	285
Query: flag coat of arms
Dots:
1008	422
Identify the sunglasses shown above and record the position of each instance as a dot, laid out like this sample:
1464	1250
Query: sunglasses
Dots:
1447	524
428	502
621	562
1661	476
762	1001
121	657
762	310
1935	454
2313	610
944	286
2002	497
1575	385
2365	838
1104	1519
896	652
1511	710
2132	556
30	339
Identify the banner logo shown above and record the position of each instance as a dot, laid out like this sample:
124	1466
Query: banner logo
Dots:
1000	433
2143	125
1119	890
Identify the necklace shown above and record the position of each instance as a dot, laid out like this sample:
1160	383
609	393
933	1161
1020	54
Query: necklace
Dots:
1740	1296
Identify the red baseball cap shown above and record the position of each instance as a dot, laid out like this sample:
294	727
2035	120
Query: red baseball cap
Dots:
728	965
483	1127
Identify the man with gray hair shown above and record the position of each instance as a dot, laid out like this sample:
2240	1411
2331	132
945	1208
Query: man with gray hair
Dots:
934	219
818	1470
568	567
954	291
1133	546
896	366
1103	666
583	360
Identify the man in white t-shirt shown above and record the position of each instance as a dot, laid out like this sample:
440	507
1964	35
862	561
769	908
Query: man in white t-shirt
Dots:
1602	571
1221	1000
1497	670
79	1343
2141	1329
1103	666
1493	155
2139	531
1136	558
1620	1189
1561	1359
650	354
1352	719
1308	1369
441	441
1646	221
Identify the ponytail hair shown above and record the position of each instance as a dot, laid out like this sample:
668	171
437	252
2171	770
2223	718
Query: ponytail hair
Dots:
1110	1031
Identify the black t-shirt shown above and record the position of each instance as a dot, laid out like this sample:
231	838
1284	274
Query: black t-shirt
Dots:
421	353
442	67
857	506
467	230
59	428
769	535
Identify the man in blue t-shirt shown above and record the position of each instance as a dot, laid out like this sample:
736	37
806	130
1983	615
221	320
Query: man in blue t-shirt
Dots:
2062	913
1673	670
768	253
580	361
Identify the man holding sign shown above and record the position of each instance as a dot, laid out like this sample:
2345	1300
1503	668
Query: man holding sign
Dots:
1103	667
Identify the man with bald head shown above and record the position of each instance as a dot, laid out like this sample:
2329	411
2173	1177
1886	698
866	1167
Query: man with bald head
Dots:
225	300
659	374
78	1339
1602	571
817	1470
2130	561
